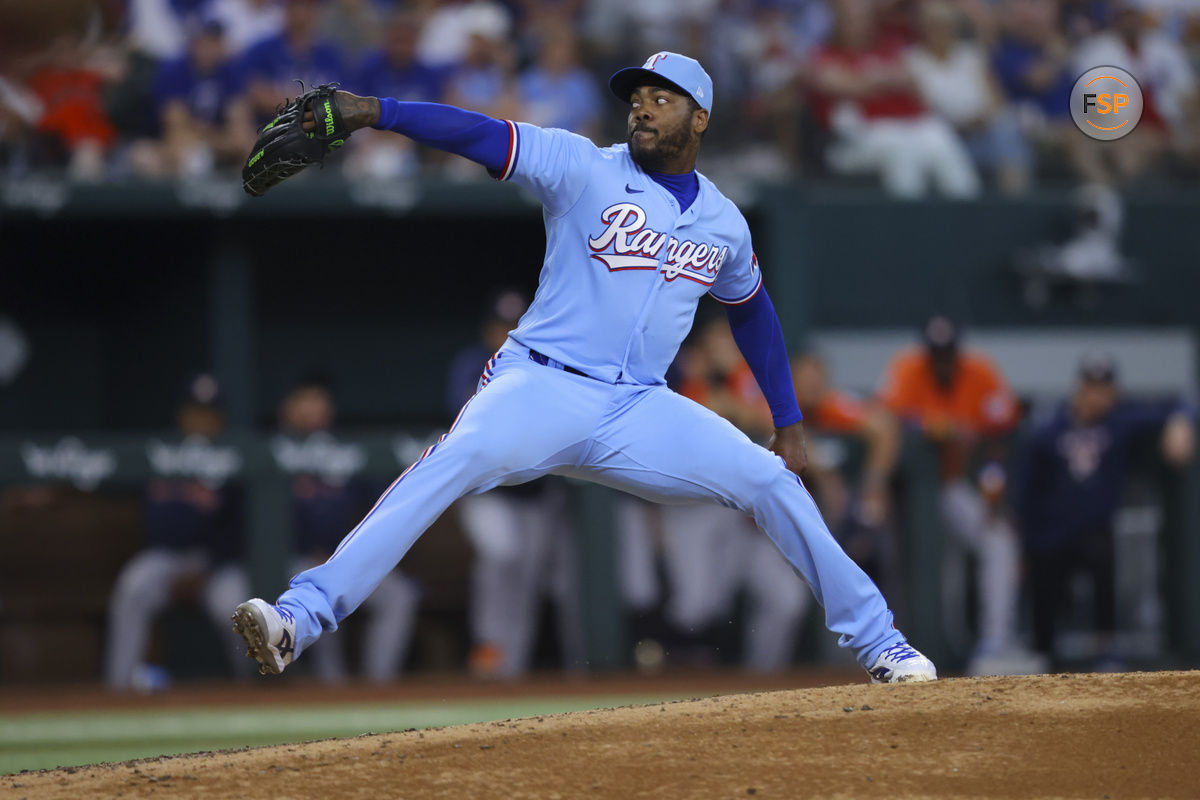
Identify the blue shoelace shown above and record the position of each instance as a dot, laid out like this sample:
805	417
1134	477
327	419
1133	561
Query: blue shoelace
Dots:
901	652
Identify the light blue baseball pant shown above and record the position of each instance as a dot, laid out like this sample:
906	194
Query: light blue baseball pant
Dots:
528	420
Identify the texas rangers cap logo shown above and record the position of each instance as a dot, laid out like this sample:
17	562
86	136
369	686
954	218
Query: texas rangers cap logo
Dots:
681	73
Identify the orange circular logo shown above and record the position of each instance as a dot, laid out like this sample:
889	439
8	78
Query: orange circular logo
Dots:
1106	103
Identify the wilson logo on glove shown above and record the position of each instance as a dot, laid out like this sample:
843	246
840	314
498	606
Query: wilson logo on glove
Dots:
284	147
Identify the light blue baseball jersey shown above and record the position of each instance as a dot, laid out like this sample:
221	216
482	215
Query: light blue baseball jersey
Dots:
623	269
622	275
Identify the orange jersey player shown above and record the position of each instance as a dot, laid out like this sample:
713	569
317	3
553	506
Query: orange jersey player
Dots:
956	398
961	402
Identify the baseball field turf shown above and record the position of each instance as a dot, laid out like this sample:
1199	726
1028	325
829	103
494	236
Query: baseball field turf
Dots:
59	739
62	727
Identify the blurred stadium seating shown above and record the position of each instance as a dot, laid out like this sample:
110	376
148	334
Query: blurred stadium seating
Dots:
130	258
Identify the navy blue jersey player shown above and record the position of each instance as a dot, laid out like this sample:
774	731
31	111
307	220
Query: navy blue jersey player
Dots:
635	236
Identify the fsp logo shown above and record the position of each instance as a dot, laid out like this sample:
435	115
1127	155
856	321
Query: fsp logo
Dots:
1106	103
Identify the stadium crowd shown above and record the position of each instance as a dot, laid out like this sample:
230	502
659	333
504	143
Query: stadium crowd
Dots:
946	96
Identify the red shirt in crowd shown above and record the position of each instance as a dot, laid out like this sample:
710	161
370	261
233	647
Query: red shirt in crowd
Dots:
885	55
73	108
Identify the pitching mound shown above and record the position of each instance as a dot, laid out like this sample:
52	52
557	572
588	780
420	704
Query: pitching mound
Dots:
1135	734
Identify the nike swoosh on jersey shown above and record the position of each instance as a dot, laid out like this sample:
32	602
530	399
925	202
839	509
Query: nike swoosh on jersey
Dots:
631	190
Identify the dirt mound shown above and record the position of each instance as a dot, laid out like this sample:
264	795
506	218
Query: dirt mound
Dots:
1135	734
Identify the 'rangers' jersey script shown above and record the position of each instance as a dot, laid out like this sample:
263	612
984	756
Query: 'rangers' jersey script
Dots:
624	269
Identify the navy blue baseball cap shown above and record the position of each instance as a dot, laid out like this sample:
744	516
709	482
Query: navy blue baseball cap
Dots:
672	70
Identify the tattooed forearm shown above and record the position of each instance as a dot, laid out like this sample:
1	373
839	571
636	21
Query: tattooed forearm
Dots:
358	112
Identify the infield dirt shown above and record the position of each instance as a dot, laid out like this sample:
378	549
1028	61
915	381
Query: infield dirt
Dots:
1094	736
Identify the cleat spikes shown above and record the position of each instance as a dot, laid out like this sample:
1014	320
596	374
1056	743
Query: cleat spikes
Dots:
269	634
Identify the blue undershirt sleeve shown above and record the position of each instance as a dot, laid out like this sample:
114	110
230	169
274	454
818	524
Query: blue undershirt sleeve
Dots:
478	137
759	336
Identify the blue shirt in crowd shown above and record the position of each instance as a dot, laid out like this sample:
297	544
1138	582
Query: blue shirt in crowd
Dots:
1013	61
206	95
274	60
1075	474
479	87
378	77
568	101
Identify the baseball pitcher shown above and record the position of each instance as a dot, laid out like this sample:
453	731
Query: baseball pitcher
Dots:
634	237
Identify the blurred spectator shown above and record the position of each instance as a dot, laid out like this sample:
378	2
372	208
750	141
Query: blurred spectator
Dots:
158	28
1032	61
392	71
556	92
524	547
248	22
326	505
794	27
76	130
771	42
858	515
1175	18
652	25
1079	19
865	95
193	541
796	87
961	403
272	66
537	20
447	37
205	121
29	28
955	81
1032	58
711	553
1171	103
1075	469
353	25
484	82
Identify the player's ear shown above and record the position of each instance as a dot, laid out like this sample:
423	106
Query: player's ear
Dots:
700	120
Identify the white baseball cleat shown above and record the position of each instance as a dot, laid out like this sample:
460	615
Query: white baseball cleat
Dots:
270	634
902	663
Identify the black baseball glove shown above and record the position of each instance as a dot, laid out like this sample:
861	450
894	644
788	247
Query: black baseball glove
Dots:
284	148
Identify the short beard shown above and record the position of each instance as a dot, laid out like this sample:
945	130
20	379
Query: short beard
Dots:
669	146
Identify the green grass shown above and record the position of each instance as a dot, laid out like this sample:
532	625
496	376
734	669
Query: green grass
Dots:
61	739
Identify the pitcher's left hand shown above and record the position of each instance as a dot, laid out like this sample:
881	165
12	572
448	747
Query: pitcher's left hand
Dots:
788	443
